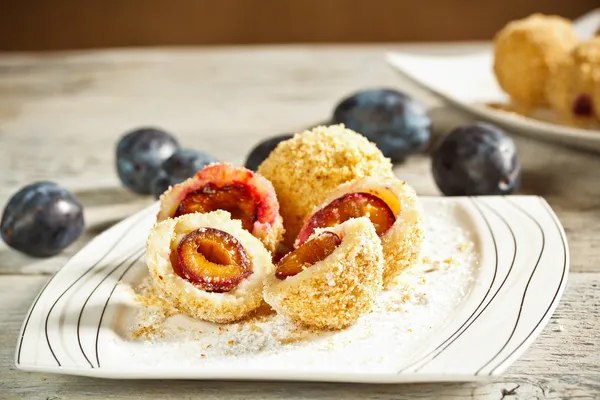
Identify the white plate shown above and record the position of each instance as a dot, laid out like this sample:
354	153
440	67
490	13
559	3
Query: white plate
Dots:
479	318
467	81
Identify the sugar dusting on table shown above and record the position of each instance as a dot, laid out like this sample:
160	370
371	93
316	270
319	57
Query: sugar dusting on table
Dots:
402	318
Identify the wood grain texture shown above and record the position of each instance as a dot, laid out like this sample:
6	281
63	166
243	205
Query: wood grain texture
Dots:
562	363
64	24
62	113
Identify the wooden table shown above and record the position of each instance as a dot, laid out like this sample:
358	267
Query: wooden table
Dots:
61	115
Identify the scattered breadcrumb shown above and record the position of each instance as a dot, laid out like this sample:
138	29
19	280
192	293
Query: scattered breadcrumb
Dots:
153	312
418	304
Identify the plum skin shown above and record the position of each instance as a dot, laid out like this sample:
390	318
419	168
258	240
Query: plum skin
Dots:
397	123
231	257
139	155
181	165
334	212
262	150
476	159
309	253
42	219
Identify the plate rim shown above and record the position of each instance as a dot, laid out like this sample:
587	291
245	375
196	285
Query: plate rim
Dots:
270	375
520	123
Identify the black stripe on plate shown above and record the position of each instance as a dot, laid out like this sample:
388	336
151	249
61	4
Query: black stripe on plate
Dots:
512	264
475	203
526	286
562	277
474	311
108	300
33	306
116	242
131	254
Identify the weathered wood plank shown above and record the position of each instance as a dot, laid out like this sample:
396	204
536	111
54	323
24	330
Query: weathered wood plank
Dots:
562	363
62	113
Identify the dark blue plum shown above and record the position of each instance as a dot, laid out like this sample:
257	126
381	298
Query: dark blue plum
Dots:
262	150
395	122
42	219
140	154
160	184
476	159
181	165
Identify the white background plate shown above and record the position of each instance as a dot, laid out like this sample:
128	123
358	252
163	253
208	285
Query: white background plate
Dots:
468	81
73	325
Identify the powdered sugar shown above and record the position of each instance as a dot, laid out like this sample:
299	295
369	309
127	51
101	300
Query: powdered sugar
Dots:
416	308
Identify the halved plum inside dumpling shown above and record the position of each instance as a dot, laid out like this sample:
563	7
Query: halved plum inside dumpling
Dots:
247	196
330	280
208	266
390	204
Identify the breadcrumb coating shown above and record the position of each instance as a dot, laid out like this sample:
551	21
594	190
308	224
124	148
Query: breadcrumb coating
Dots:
334	292
307	167
189	298
402	242
269	224
577	80
527	52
